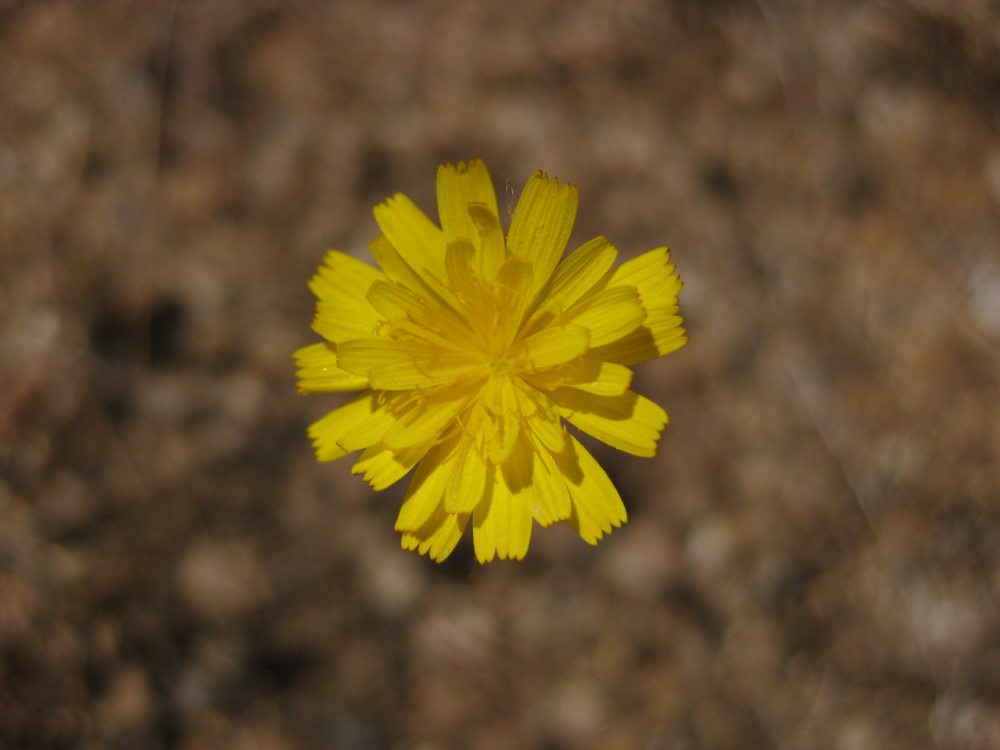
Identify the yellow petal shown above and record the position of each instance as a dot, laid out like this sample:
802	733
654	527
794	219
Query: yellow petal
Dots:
630	422
343	312
459	256
608	315
343	275
468	480
363	355
550	499
394	267
499	424
423	316
428	418
579	272
327	432
653	275
514	282
596	505
457	187
501	524
600	378
492	248
426	491
394	300
541	224
438	536
430	284
382	466
373	427
554	346
519	466
541	417
413	235
344	318
550	433
319	372
660	334
403	365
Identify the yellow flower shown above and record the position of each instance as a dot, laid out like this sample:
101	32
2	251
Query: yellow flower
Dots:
470	349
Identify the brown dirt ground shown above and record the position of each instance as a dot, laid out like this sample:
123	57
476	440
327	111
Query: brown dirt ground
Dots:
812	559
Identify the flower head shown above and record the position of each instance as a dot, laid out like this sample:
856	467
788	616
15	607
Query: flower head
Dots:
471	349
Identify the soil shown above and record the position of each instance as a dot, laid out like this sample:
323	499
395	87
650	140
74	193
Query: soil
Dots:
811	561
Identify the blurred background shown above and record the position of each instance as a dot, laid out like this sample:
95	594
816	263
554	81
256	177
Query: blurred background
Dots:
812	560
